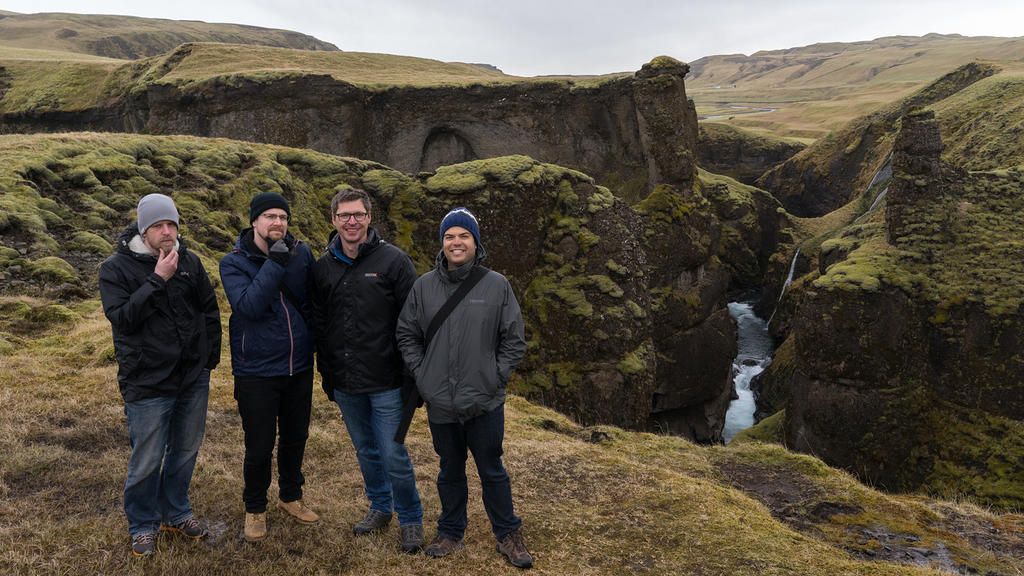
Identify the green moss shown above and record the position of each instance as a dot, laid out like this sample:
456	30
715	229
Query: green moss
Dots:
606	285
665	205
89	242
50	315
53	269
770	429
616	268
636	310
635	362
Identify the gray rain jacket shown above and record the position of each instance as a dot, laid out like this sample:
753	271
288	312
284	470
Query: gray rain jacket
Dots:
463	373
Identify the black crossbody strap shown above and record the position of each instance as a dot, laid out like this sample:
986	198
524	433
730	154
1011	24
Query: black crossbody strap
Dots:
475	275
410	394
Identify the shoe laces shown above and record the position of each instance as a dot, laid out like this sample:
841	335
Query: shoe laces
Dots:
147	538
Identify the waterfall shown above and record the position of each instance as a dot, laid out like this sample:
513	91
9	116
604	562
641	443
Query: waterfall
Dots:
884	173
789	280
753	355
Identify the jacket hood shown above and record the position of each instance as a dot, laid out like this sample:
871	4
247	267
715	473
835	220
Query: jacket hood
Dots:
130	243
460	273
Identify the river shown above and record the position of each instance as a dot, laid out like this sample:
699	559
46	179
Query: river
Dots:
754	350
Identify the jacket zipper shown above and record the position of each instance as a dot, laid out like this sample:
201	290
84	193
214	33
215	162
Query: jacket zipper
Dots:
291	340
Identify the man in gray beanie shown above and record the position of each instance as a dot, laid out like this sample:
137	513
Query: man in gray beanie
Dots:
461	375
166	328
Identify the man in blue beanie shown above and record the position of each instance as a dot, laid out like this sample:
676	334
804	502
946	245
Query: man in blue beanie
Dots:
461	376
166	326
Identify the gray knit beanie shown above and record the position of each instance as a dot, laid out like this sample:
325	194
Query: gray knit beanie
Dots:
153	208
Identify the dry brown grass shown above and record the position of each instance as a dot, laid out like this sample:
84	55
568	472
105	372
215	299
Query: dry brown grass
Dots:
629	503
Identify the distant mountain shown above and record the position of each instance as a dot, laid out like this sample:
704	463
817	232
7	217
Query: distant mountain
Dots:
818	88
131	38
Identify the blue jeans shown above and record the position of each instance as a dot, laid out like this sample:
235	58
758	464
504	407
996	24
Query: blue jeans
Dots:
483	436
372	420
165	434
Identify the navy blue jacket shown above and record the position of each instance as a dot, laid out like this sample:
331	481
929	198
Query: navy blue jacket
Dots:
268	332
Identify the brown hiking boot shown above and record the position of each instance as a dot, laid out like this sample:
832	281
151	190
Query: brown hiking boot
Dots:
514	548
299	511
255	527
442	547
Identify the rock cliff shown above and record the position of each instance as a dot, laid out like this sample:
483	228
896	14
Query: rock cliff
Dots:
904	361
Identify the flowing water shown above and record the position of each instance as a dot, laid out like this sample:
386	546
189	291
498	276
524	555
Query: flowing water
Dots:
754	350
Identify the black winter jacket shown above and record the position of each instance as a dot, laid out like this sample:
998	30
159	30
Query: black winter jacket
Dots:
356	307
165	333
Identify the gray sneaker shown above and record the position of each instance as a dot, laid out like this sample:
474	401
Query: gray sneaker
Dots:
374	522
144	544
412	538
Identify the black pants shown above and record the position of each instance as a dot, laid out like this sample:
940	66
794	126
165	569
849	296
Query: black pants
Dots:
269	405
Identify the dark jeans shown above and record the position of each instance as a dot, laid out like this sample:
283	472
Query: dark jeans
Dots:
483	437
268	406
165	435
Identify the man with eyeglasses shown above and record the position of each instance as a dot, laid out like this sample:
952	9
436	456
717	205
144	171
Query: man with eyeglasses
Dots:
267	278
361	284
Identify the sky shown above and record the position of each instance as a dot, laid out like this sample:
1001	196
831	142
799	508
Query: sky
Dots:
543	37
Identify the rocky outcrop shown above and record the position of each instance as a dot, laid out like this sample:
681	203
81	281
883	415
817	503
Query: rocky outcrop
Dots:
740	154
836	169
635	131
904	363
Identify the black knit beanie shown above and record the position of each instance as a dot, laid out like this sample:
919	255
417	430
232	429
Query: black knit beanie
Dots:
265	201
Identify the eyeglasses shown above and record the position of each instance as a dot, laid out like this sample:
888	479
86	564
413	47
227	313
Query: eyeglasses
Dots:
271	217
359	216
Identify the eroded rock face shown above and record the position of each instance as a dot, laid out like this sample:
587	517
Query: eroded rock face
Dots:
637	131
904	363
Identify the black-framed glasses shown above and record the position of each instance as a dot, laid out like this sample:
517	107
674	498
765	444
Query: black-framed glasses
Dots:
271	217
359	216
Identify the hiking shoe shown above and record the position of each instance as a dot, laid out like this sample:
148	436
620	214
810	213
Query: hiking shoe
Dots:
412	538
374	522
442	547
189	528
255	527
144	544
299	511
514	548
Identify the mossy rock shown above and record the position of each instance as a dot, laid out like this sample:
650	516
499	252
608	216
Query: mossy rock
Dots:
89	242
8	254
11	310
53	269
768	430
50	315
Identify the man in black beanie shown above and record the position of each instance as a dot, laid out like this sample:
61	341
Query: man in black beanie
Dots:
266	279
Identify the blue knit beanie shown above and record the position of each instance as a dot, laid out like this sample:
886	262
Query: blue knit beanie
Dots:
461	217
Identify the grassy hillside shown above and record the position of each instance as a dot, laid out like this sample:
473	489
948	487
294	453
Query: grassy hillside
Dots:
43	80
594	500
130	37
816	89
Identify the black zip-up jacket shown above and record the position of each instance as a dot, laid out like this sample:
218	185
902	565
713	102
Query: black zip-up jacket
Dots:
165	333
356	307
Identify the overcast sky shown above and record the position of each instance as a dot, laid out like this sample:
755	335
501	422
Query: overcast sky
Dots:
537	37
